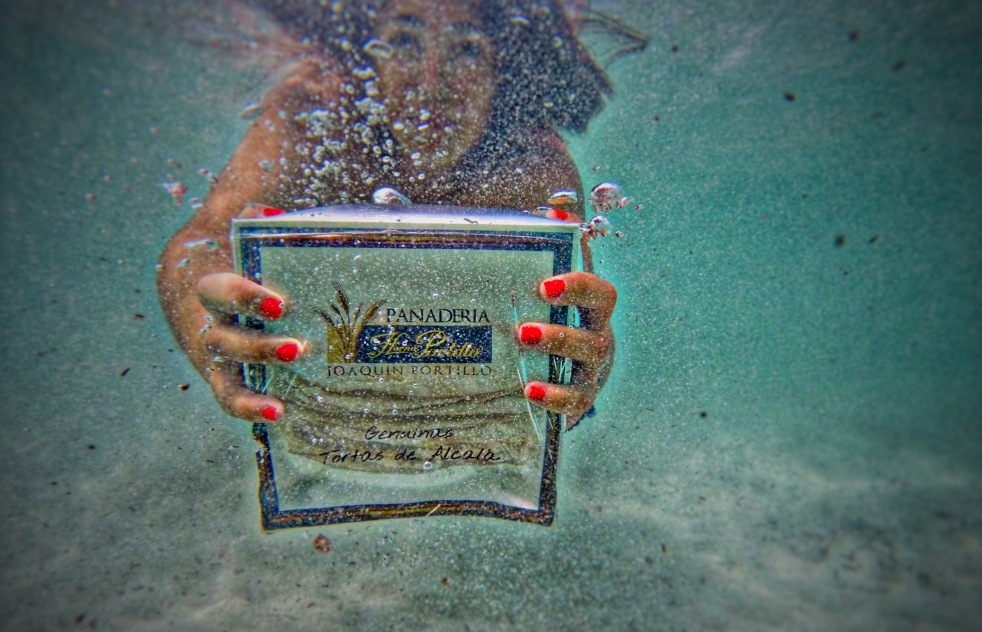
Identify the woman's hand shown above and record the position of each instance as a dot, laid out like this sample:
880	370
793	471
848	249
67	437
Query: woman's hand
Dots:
201	297
590	347
225	295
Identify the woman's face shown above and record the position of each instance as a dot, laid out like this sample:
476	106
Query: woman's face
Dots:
439	80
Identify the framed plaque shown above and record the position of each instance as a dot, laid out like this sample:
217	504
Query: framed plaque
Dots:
409	398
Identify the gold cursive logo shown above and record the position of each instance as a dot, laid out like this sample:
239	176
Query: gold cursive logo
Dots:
428	344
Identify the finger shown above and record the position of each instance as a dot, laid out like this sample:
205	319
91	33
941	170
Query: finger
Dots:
572	400
555	213
593	295
582	345
242	402
247	345
586	376
228	293
254	210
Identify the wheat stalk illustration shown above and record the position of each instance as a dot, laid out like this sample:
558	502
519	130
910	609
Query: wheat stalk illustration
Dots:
344	328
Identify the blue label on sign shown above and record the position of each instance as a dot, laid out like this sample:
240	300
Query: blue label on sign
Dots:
424	344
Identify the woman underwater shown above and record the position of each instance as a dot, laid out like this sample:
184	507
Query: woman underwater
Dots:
454	102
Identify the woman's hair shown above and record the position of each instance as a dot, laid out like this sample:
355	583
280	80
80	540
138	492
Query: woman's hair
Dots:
545	77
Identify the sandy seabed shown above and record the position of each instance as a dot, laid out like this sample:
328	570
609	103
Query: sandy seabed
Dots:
791	439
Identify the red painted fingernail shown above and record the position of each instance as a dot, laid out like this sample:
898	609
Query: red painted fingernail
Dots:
531	334
537	393
287	352
271	413
271	307
555	287
269	211
560	214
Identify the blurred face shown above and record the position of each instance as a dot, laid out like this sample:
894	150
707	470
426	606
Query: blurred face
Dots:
439	80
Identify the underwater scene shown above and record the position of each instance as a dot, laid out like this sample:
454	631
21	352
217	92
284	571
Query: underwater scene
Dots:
779	214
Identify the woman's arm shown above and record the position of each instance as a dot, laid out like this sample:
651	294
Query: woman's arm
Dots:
199	284
545	169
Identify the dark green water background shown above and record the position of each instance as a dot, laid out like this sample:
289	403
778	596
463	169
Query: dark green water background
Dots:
790	441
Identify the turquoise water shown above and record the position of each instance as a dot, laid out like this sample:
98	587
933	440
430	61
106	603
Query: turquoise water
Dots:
790	439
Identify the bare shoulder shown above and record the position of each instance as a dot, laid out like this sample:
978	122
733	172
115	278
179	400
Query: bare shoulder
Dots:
529	179
262	168
306	83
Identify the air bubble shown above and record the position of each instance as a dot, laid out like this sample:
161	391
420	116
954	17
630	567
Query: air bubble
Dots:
250	111
563	197
388	196
209	244
377	48
427	465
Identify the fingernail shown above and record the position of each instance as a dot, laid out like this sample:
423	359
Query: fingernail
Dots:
554	287
271	413
537	393
271	307
560	214
269	211
531	334
287	352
